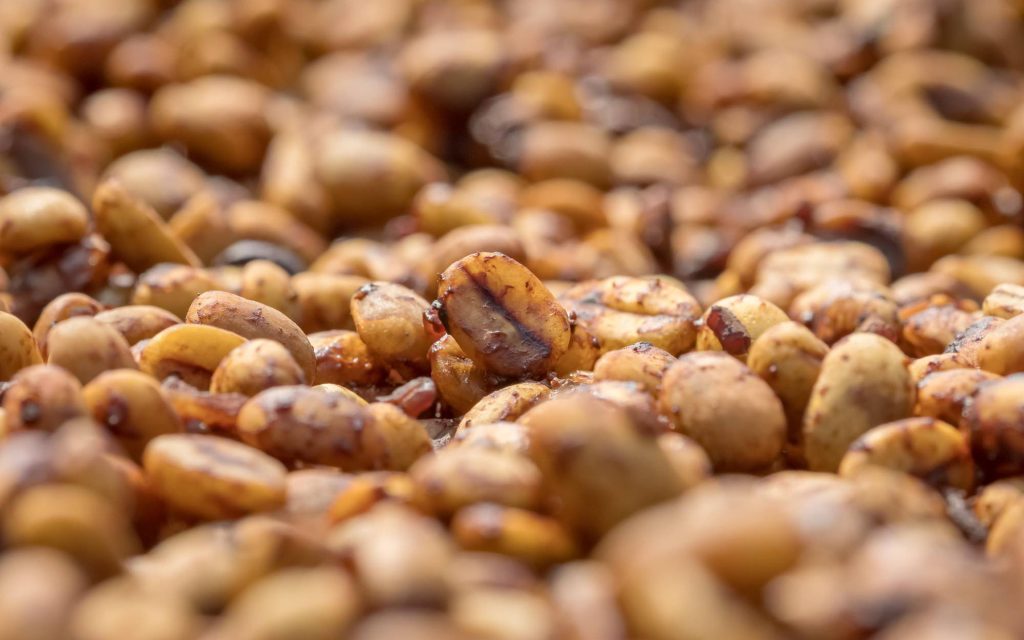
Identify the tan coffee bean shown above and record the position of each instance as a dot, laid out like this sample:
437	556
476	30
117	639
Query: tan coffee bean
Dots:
370	176
42	397
499	436
733	324
213	478
74	520
460	382
201	410
452	479
191	352
928	448
944	394
836	308
258	220
621	311
400	556
931	330
34	218
863	382
132	407
628	396
319	295
968	343
251	319
788	357
137	235
1001	351
220	119
343	358
389	320
461	242
598	471
138	322
921	368
688	458
254	366
994	499
642	363
105	612
734	415
39	589
1005	301
303	424
61	308
267	283
173	287
318	603
162	177
990	420
505	404
86	347
536	539
566	150
17	346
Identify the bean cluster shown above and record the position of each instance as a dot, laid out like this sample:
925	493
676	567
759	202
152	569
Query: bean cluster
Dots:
511	319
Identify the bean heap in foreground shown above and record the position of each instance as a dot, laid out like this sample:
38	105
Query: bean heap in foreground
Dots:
511	320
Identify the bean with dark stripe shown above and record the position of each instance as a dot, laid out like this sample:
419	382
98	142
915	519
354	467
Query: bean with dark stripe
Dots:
502	316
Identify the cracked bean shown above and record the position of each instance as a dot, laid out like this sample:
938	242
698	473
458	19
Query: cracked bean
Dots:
733	324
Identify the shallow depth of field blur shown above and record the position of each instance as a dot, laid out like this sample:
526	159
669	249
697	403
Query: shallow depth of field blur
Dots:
511	319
